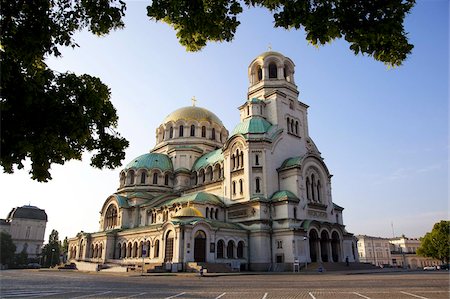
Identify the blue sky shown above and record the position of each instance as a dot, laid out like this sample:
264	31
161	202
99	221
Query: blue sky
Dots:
383	132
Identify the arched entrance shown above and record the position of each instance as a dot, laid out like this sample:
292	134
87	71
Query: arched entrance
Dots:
168	254
313	248
324	245
335	247
200	246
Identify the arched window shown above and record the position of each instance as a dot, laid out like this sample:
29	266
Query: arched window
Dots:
241	187
100	250
131	175
220	247
211	213
192	130
216	214
237	159
203	176
211	174
295	213
219	171
143	177
272	70
308	188
230	249
240	250
156	249
256	159
258	185
220	136
213	134
166	180
111	217
119	249
259	73
181	131
203	131
234	188
318	190
292	126
296	127
248	110
288	124
155	178
171	132
207	212
313	197
233	162
242	160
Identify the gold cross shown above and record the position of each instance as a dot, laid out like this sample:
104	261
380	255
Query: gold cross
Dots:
270	47
194	101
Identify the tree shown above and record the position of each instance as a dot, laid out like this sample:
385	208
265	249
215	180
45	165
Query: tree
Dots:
7	249
47	116
51	250
51	117
436	244
374	28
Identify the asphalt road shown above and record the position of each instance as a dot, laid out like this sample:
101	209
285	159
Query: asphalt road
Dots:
68	284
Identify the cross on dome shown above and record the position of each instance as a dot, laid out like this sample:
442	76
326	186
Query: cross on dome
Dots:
194	101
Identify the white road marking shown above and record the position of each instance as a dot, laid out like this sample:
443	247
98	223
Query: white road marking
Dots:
312	296
417	296
221	295
177	295
361	295
92	295
132	296
265	296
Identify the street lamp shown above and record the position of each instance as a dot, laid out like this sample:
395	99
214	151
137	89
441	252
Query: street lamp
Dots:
144	253
51	261
306	255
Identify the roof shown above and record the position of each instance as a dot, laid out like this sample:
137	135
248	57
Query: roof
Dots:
200	197
284	195
193	113
188	212
28	212
208	159
337	207
253	125
150	161
292	162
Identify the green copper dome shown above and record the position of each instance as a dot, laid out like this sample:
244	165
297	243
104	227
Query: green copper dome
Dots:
254	125
150	161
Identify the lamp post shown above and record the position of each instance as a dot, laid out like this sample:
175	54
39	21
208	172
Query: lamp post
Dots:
144	253
51	260
306	255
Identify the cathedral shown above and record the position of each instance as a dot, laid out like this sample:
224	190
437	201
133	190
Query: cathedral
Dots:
258	198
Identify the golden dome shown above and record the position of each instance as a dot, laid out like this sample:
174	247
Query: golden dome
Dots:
188	212
193	113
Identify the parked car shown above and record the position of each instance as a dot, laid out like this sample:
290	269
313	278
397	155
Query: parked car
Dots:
444	267
430	268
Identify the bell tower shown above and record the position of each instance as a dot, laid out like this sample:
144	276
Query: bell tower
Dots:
271	78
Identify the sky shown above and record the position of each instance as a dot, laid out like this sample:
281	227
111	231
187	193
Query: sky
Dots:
382	131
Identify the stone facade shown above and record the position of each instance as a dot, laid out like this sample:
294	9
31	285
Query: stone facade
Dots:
257	197
26	225
392	252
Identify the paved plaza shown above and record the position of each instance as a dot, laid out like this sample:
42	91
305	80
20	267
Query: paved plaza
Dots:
60	284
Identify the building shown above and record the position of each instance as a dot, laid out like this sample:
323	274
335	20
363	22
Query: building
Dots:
374	250
403	254
26	225
392	252
257	198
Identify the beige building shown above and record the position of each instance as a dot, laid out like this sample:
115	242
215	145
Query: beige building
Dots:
403	254
392	252
374	250
257	198
26	225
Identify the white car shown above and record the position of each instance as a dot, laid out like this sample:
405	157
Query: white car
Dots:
430	268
